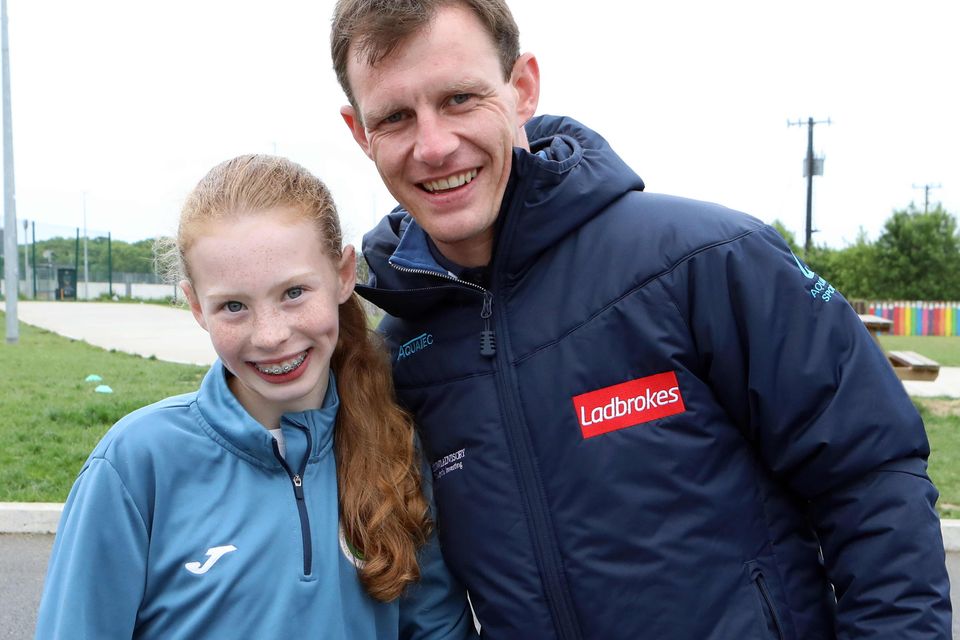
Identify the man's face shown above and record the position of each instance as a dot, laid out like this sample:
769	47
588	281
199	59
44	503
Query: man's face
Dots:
440	122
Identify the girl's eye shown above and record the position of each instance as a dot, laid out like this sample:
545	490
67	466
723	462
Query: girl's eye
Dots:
233	306
294	292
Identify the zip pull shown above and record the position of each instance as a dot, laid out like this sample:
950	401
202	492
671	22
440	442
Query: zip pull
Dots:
488	339
298	487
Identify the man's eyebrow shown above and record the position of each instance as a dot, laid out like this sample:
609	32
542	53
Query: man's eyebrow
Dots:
376	115
469	85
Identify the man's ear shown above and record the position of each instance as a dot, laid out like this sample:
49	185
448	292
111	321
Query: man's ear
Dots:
349	115
347	272
195	309
525	79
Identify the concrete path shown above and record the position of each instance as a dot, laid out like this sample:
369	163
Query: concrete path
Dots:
167	332
947	385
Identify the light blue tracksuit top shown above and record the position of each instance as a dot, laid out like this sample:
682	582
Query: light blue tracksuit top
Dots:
184	523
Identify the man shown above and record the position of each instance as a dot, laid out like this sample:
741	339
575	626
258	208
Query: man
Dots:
645	417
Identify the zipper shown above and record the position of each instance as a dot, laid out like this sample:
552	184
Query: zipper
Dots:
768	600
556	590
296	479
488	339
545	548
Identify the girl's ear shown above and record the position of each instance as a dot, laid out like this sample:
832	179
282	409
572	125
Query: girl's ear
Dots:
347	272
191	296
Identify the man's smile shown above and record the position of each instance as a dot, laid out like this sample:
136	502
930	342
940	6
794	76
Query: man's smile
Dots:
449	182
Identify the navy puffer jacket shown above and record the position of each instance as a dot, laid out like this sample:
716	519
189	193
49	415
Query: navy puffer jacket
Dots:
656	422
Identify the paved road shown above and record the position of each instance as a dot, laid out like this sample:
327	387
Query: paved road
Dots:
167	332
23	562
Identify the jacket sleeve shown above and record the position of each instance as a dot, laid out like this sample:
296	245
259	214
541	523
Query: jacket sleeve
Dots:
97	570
436	607
794	367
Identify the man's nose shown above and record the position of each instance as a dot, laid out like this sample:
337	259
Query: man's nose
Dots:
435	140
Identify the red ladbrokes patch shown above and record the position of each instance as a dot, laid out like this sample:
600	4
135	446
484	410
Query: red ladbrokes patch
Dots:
628	404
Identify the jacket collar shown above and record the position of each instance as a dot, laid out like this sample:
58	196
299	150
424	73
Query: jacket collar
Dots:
227	422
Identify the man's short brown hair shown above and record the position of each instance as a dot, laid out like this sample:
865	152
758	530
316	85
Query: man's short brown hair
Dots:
376	27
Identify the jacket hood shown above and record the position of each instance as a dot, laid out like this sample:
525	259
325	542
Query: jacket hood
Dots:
569	169
580	177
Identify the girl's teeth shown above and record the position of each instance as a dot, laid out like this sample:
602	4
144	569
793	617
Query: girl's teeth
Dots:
282	367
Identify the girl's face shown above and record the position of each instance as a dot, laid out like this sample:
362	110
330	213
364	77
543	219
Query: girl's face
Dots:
269	297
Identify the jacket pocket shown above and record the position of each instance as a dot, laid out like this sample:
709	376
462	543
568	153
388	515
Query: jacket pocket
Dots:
770	620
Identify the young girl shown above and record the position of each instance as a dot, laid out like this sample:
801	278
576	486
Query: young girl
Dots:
283	498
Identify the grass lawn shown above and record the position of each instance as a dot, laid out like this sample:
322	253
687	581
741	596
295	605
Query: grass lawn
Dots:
945	350
50	418
942	419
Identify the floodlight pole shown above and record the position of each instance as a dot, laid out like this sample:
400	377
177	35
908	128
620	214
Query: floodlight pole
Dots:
9	201
810	162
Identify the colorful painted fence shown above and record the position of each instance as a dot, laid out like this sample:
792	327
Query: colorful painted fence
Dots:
920	318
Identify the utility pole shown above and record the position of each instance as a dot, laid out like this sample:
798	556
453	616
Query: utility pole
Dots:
926	193
811	166
26	253
10	262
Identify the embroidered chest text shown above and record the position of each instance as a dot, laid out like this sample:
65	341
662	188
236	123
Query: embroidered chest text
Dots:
411	347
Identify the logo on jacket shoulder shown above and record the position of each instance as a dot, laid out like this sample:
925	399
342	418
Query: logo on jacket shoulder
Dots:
416	345
628	404
804	269
820	288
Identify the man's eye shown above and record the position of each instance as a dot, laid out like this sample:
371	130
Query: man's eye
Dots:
393	118
460	98
233	306
294	292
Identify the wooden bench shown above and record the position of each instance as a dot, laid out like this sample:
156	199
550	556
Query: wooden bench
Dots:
910	365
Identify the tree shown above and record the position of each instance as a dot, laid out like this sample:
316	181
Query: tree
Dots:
787	236
136	257
918	256
853	270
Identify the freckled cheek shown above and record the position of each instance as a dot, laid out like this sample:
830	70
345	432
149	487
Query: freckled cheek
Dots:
319	321
227	341
327	328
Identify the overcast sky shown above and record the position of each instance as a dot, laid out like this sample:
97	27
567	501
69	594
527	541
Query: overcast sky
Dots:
131	102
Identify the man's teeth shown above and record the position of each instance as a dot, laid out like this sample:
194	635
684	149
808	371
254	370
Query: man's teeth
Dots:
450	182
280	368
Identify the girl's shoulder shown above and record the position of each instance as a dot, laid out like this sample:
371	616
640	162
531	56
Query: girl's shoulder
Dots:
155	427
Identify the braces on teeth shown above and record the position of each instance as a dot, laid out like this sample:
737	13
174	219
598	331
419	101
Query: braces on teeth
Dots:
287	368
